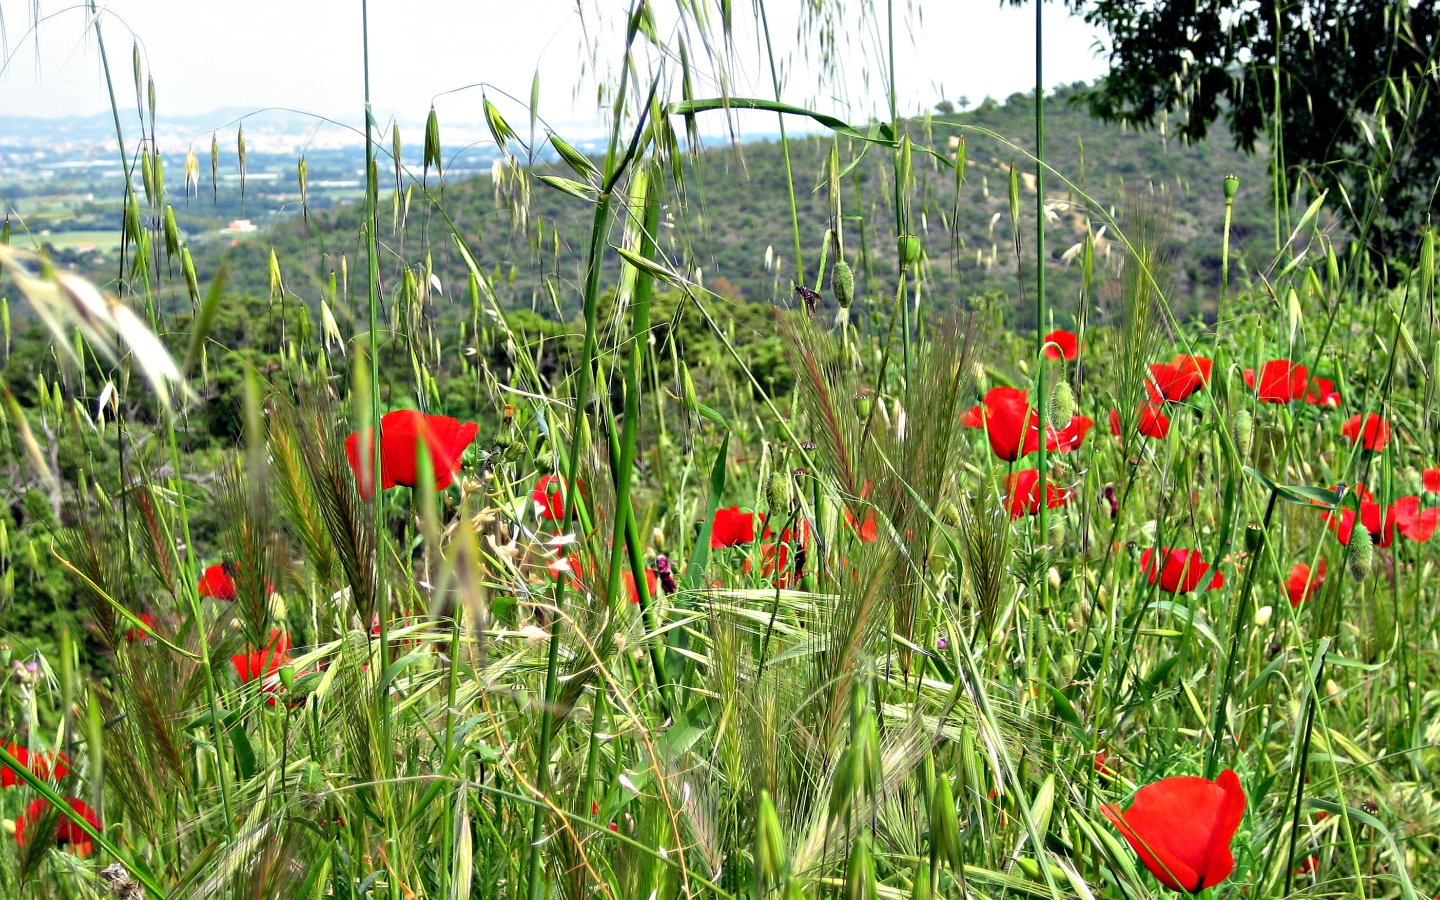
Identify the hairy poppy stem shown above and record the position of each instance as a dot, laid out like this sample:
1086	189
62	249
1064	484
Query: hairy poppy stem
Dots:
1217	726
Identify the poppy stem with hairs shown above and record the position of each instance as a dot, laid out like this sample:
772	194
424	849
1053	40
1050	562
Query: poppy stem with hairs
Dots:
615	166
1041	398
1237	622
1304	760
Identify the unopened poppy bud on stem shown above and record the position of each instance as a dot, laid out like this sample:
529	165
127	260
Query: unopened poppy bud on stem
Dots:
1244	430
777	492
843	281
1062	402
1360	554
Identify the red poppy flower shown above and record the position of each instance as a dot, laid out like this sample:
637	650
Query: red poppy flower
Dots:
1070	437
775	557
1181	828
732	526
866	531
264	664
136	634
1010	424
568	565
1415	523
217	582
402	431
548	498
1103	766
1152	422
1175	381
1430	479
1061	344
1200	365
1280	381
67	833
1322	393
1376	519
1013	426
628	578
1370	431
1302	584
44	766
1182	572
1022	493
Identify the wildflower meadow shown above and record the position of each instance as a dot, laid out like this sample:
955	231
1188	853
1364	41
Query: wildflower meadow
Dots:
400	550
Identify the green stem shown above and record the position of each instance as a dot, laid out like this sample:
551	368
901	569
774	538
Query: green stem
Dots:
1237	623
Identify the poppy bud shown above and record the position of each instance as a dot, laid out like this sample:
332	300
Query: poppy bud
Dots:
1360	553
1244	431
1232	184
1053	577
950	515
909	248
1062	402
287	677
1262	616
777	492
843	281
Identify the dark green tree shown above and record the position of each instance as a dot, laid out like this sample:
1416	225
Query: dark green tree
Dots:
1343	92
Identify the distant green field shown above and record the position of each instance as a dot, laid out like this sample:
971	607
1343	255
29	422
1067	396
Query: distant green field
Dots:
103	241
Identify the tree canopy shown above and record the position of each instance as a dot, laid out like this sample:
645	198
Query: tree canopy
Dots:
1341	91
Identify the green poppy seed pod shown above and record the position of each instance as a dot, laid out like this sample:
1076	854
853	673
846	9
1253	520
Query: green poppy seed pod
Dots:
1254	537
909	249
1360	553
843	281
1062	402
1244	430
287	677
777	492
769	840
860	871
1232	184
862	405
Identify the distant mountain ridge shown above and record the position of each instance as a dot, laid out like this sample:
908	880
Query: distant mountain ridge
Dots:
735	224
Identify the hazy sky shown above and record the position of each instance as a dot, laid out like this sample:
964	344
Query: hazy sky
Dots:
306	54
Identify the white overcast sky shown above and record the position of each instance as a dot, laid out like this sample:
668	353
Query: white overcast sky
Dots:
306	54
